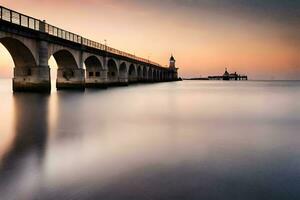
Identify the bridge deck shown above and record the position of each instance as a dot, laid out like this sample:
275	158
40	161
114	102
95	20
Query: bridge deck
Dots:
17	18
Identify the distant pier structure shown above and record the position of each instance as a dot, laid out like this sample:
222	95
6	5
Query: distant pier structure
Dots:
229	76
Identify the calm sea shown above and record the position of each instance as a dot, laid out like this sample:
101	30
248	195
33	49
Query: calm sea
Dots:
184	140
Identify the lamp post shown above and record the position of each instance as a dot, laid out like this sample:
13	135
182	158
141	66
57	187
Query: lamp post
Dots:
105	44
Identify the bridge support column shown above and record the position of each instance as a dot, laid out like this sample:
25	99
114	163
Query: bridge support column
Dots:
32	79
96	79
132	79
72	79
123	80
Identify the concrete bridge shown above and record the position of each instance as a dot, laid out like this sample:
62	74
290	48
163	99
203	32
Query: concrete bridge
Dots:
31	43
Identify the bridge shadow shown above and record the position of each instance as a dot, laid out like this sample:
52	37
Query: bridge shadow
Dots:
30	136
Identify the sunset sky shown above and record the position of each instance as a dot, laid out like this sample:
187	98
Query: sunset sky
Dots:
257	37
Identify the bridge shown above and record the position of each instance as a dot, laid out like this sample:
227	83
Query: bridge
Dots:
31	42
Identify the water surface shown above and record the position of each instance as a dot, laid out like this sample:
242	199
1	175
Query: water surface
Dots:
182	140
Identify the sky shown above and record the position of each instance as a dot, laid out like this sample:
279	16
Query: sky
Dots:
260	38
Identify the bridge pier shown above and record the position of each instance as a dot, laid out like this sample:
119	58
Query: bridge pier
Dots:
70	79
123	81
32	79
132	80
96	79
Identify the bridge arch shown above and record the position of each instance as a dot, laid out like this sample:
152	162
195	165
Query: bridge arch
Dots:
70	74
164	75
112	74
123	69
155	75
30	72
22	55
159	75
145	73
57	52
150	74
86	56
140	72
65	59
93	67
123	74
132	73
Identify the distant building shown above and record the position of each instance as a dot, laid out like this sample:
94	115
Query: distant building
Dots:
227	76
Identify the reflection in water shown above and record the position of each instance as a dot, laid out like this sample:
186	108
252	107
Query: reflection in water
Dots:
187	140
31	129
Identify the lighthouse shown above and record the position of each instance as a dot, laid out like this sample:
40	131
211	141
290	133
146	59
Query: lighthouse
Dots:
172	68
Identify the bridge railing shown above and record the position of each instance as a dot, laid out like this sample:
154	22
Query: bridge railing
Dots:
38	25
19	19
60	33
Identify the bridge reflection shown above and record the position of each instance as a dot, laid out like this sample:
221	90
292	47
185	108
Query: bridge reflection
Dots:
30	136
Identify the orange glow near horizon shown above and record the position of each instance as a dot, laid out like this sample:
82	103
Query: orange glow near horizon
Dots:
204	41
